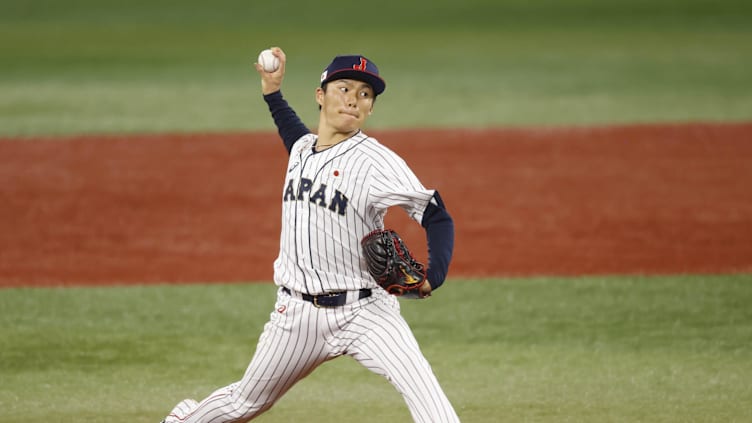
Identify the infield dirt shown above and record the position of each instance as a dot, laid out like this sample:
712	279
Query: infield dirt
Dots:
650	199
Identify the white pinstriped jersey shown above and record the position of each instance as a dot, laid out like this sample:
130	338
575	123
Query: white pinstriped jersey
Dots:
333	198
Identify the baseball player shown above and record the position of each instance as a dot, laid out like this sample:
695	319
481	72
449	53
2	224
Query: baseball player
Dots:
338	186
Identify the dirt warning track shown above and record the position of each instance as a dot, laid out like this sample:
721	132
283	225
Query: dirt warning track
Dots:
654	199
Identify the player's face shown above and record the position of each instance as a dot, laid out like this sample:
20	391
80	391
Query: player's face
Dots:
346	104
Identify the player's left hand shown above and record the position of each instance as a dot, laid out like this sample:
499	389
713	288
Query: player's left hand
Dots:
393	267
418	294
425	290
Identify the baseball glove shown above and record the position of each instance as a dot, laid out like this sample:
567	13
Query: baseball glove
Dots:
392	265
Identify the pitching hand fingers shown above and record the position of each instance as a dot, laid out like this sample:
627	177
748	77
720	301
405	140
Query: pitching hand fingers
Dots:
272	81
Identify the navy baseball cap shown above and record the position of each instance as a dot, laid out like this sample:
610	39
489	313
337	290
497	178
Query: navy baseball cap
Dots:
354	67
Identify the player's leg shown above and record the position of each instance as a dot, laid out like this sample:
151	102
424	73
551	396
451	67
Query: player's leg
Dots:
390	349
287	351
181	411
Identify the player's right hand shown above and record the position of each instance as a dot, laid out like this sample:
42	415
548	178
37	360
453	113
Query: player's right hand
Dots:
272	81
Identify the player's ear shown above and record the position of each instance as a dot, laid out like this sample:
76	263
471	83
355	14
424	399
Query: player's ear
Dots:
320	96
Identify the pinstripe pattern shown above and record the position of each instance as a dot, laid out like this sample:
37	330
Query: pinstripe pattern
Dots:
331	199
301	337
320	248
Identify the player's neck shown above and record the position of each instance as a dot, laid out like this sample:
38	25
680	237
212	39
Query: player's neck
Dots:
329	137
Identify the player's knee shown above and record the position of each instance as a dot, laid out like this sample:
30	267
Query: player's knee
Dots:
245	411
245	408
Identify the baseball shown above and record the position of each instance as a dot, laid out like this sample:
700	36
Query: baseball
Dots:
268	61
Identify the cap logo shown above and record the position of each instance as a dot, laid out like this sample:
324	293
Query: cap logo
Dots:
362	65
323	75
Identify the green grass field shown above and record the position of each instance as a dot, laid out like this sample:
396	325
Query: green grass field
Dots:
591	349
88	66
595	349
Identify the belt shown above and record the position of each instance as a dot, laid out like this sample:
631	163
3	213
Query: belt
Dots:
332	299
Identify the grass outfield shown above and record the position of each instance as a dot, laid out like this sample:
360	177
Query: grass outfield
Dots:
594	349
91	66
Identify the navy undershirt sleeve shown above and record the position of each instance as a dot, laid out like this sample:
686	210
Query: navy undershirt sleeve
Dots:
289	125
440	236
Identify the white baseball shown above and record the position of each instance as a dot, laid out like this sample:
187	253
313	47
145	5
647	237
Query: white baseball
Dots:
268	61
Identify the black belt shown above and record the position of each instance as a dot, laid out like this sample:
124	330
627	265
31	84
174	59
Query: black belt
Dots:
333	299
